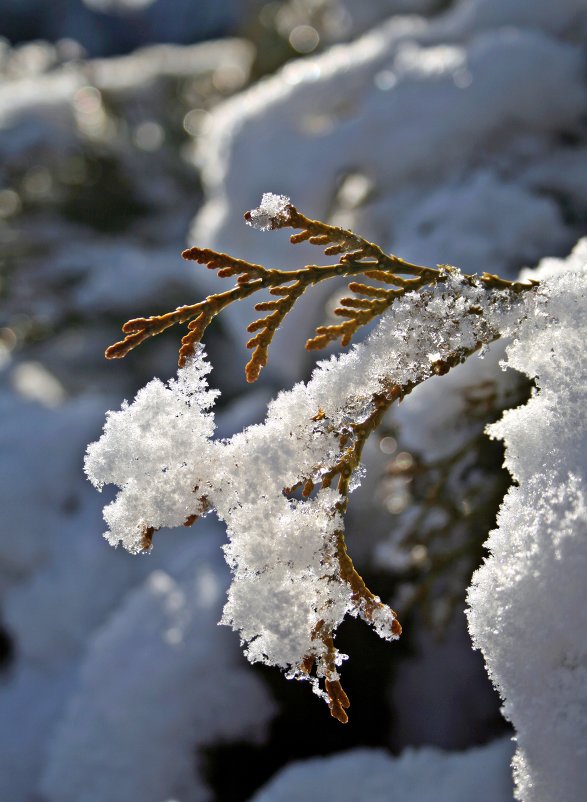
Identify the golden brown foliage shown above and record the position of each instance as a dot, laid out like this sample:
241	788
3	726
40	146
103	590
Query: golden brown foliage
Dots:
357	257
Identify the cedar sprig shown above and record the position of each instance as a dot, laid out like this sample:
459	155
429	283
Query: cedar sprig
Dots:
358	257
358	311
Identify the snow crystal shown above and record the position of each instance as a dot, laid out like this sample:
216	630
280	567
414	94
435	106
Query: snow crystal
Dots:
272	211
538	557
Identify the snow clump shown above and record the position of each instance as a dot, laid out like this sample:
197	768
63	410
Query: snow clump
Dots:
271	212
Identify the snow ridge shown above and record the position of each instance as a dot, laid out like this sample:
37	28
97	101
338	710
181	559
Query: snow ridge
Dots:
527	607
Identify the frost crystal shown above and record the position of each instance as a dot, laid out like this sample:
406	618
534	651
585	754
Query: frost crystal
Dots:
272	211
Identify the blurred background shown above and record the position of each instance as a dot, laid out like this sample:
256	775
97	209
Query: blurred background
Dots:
448	132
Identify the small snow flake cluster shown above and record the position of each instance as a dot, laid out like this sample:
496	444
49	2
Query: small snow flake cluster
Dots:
287	583
271	212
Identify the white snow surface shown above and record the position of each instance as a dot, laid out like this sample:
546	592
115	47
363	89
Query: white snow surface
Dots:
165	695
333	114
425	775
59	584
64	613
527	608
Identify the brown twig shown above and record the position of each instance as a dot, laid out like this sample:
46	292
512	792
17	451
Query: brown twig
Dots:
358	257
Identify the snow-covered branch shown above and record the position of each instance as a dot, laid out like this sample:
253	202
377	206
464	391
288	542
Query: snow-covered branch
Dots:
293	580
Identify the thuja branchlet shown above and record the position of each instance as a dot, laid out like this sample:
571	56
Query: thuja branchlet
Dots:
359	261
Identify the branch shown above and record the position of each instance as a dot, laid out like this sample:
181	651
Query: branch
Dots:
476	305
358	257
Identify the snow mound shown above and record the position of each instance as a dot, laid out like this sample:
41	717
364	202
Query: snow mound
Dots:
425	775
527	602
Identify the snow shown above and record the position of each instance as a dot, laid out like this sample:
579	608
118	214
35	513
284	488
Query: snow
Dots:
538	556
270	213
425	775
178	425
250	139
159	641
431	423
